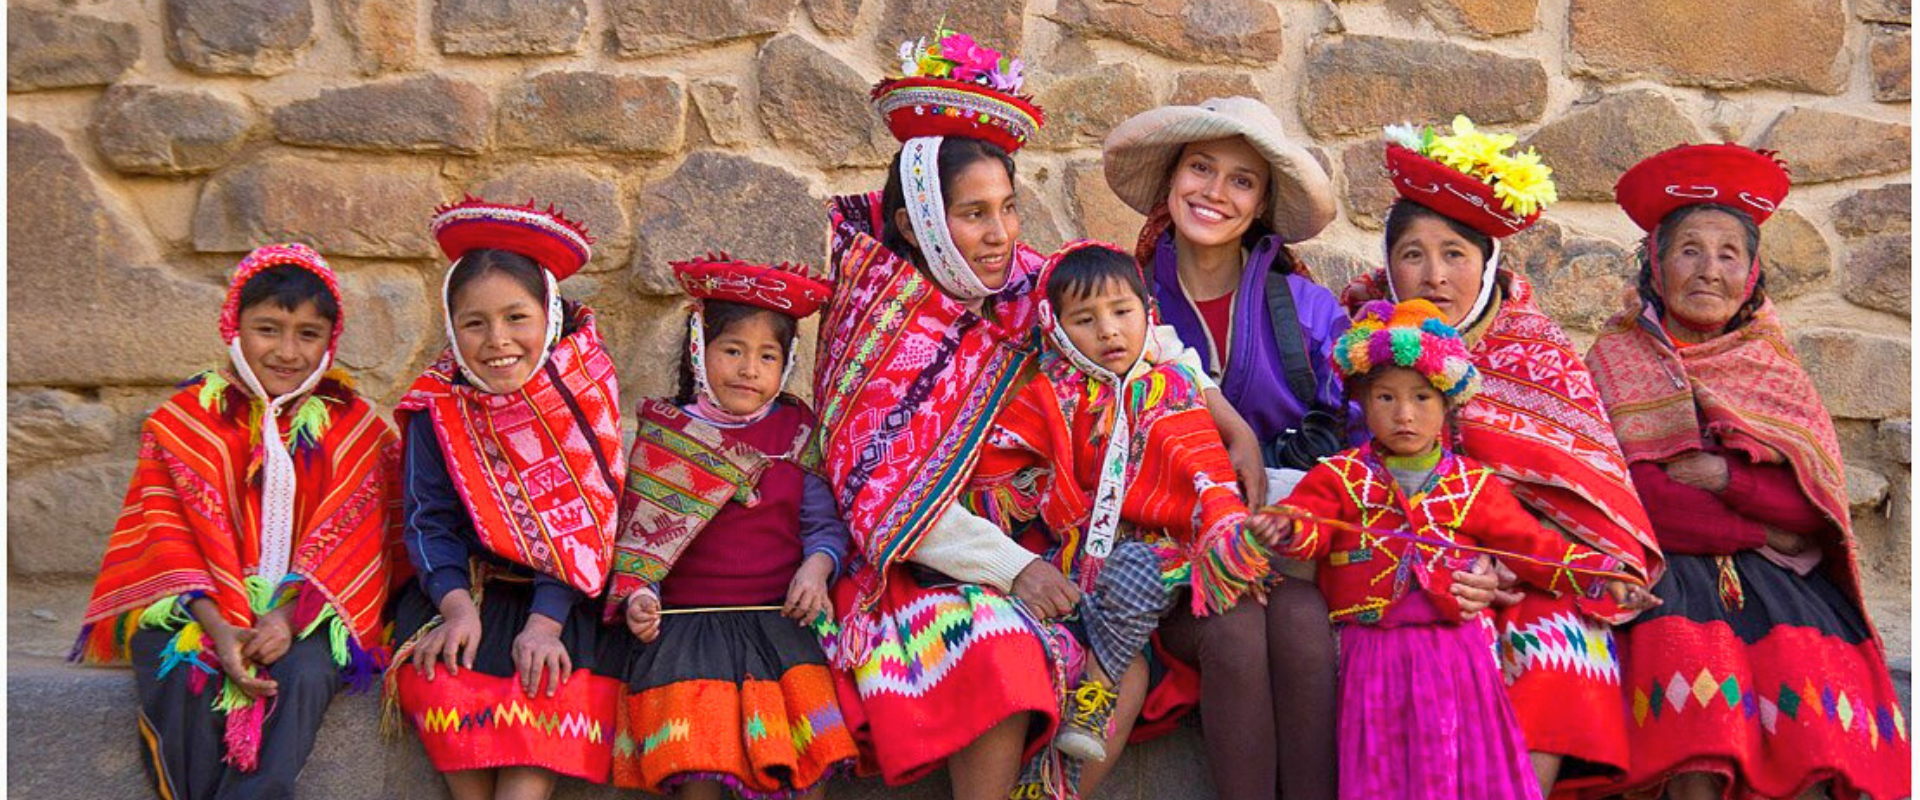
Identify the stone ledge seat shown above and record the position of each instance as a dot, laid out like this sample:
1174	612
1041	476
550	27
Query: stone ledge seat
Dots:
71	736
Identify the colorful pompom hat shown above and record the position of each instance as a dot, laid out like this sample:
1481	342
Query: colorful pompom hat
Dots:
1412	335
1468	176
953	86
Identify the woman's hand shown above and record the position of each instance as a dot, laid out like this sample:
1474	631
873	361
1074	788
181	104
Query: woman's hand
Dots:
455	641
1700	470
807	592
1243	448
1787	543
643	616
1045	590
537	653
272	636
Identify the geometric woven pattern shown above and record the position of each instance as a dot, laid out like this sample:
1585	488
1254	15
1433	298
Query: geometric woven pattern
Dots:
1804	704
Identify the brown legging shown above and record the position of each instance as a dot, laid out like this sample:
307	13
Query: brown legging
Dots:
1266	693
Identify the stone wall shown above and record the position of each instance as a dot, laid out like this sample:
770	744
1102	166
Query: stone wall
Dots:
154	141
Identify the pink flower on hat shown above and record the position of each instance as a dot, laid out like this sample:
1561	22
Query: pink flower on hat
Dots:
971	59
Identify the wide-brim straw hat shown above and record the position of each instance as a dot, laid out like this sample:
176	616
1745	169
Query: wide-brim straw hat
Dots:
1140	155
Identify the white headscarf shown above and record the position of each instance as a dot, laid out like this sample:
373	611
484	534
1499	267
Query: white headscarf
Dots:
927	209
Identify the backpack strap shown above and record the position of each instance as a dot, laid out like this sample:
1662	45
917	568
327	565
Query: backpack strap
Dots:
1286	336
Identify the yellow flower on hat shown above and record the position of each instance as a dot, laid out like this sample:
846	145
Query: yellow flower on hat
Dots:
1522	183
1519	181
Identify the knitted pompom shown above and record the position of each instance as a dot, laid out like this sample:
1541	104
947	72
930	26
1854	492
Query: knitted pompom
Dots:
1380	348
1379	312
1406	345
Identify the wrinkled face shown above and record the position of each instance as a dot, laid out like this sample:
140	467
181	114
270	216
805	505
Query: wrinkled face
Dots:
500	329
744	364
1217	190
1703	269
1107	325
1432	262
1405	413
283	347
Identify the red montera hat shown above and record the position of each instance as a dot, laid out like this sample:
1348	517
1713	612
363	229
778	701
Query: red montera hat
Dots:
786	288
954	86
559	245
1453	193
1754	181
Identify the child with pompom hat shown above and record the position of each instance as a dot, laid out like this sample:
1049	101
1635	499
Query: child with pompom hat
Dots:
1423	712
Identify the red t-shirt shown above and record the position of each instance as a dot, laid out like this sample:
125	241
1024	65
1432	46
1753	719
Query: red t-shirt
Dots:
1216	316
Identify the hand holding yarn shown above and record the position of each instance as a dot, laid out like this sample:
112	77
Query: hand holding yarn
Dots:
643	615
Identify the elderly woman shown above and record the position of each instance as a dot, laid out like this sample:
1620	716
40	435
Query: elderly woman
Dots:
1760	676
1536	422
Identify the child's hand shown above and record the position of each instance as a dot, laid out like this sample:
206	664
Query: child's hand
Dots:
807	593
537	653
457	639
643	616
272	636
1273	530
229	644
1631	597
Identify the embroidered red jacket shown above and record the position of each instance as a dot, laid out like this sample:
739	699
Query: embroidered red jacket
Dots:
1362	574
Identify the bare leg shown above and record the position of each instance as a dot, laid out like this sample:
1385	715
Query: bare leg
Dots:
699	790
1133	694
1546	768
1236	697
1694	786
988	768
1301	658
525	783
471	784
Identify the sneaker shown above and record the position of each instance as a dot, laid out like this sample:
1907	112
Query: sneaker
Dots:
1084	737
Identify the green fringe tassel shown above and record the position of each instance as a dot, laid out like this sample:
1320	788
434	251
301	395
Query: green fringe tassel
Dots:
166	614
213	391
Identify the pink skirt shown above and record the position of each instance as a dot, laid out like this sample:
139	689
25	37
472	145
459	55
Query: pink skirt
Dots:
1424	714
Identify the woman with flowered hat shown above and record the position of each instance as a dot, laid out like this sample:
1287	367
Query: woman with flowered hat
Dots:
513	458
728	542
1761	675
1226	194
247	577
1536	423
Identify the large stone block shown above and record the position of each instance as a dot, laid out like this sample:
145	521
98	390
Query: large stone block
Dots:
148	130
510	27
1038	227
1790	44
48	424
718	101
391	318
999	24
49	49
1579	281
1194	86
1824	145
1898	12
716	201
586	194
80	269
1859	375
650	27
595	112
1214	31
1890	56
814	103
1794	254
58	519
1368	192
1591	146
1331	266
426	114
1082	108
1879	274
1882	209
1356	84
1094	209
1483	19
238	37
381	33
835	17
352	208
